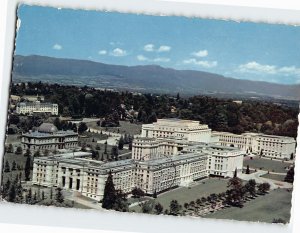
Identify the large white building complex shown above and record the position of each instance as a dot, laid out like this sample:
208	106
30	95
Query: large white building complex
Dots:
48	138
272	146
184	129
168	154
36	107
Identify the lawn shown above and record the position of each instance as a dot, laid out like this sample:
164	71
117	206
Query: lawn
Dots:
183	194
274	177
20	160
92	139
276	204
125	127
266	164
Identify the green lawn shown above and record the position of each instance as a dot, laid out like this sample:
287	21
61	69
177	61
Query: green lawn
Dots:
274	177
276	204
266	164
19	159
125	127
183	194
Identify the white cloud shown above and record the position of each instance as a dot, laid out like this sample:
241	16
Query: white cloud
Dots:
161	59
117	52
57	47
200	53
141	58
255	67
205	64
164	48
102	52
149	47
157	59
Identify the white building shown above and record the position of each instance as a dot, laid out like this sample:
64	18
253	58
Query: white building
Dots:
36	107
272	146
49	138
184	129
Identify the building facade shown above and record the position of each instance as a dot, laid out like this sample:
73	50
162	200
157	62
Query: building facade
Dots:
36	107
157	165
49	138
272	146
184	129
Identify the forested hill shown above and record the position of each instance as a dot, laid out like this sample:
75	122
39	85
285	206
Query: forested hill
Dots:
149	78
219	114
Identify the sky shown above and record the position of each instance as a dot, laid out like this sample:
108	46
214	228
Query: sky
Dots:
253	51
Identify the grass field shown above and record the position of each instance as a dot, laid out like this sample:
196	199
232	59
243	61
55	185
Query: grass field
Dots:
274	177
266	164
276	204
125	127
184	194
89	141
20	160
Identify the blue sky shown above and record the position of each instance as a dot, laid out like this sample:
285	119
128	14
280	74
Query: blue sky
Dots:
251	51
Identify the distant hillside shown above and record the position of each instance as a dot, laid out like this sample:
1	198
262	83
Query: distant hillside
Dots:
149	78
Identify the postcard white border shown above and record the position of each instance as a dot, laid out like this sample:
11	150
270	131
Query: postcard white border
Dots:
111	221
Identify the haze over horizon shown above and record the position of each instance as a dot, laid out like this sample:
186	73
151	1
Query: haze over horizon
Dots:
252	51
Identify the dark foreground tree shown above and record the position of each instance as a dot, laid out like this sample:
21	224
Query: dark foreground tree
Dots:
175	208
158	208
59	197
264	188
27	168
290	175
248	170
109	197
137	192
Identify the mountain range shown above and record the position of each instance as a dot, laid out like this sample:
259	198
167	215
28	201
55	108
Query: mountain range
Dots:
142	78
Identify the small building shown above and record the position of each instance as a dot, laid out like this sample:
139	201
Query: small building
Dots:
36	107
49	138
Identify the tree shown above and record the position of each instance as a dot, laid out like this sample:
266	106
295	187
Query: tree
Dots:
43	195
264	188
5	188
292	156
174	208
109	197
235	193
250	187
235	173
12	193
10	148
158	208
121	143
6	167
27	153
82	127
59	196
147	207
105	147
121	203
114	152
19	150
27	168
14	166
29	197
155	194
290	175
248	170
137	192
37	154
